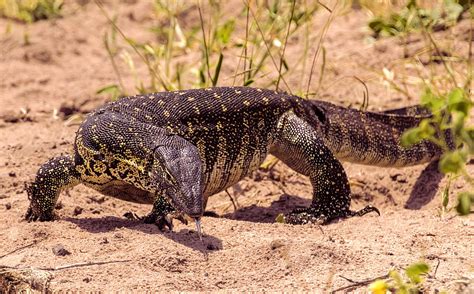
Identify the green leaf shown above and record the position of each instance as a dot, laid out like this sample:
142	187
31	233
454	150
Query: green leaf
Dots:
415	135
445	197
453	10
465	201
218	70
202	76
224	32
112	90
415	271
452	161
431	101
248	82
411	137
457	101
457	121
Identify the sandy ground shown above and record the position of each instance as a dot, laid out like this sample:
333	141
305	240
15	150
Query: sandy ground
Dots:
243	250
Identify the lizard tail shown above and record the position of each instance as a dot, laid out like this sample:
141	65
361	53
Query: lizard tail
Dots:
375	138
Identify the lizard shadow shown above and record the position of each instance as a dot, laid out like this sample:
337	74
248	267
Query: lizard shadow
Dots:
425	188
185	236
254	213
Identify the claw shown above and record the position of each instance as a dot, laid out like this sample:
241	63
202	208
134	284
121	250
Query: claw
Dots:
168	222
180	217
32	216
132	216
363	211
161	221
198	227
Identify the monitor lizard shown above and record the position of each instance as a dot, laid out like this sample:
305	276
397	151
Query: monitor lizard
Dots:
175	149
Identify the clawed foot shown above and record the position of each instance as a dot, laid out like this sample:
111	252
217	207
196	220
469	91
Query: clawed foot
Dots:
160	220
363	211
32	216
36	211
316	215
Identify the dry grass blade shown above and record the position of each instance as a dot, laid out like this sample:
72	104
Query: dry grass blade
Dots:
282	57
359	284
244	51
266	44
206	49
22	247
316	54
111	54
469	55
82	264
158	76
365	102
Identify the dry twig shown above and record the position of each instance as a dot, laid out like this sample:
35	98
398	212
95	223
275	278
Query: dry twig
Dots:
357	284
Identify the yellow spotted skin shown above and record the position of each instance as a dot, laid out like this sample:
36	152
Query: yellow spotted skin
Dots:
185	146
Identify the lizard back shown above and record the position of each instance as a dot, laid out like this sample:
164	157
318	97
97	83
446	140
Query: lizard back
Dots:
232	127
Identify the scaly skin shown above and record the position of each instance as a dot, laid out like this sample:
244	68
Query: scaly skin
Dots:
175	149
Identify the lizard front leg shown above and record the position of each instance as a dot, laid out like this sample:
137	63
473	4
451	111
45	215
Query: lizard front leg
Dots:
54	176
300	147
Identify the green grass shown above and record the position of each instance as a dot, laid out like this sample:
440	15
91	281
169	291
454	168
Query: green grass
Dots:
446	91
413	17
408	281
30	10
253	49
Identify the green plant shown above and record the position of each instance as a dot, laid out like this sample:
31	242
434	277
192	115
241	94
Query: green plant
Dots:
30	10
211	45
449	128
413	17
446	80
414	274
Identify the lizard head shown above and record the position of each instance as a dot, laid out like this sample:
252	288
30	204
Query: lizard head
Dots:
178	172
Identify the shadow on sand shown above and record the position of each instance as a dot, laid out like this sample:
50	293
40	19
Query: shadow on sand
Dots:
425	188
188	238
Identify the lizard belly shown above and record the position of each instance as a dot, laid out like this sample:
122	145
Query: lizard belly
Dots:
225	172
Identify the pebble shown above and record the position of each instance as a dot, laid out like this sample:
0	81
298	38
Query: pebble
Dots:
59	250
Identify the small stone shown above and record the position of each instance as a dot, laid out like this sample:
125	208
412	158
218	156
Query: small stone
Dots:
118	235
59	250
398	177
96	211
87	279
77	210
98	199
59	205
8	206
277	244
104	241
68	108
12	174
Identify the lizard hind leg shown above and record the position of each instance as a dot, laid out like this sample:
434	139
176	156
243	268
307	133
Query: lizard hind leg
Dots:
302	149
53	176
